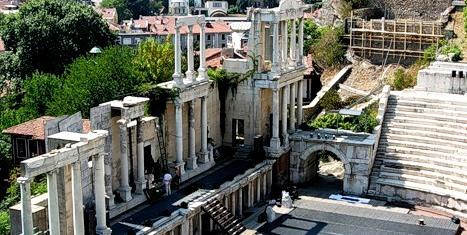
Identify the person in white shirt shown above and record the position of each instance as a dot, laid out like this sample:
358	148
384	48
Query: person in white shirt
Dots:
167	181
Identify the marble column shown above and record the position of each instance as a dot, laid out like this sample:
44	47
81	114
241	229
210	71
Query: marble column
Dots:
285	98
275	141
177	76
99	192
265	185
293	88
276	63
285	44
293	44
300	42
192	142
125	189
204	131
53	213
258	188
200	223
269	181
189	41
185	227
26	211
179	136
300	103
233	196
240	202
141	181
202	53
77	191
250	194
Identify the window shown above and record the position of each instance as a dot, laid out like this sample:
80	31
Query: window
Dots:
209	37
126	41
223	36
217	4
223	45
21	148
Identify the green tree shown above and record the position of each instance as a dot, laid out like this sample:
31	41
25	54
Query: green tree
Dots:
92	80
121	6
46	35
39	90
329	50
311	34
154	61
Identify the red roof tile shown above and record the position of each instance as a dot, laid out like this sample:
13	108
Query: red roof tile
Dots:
107	13
33	128
165	25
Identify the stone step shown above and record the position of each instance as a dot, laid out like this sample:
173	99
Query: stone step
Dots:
410	140
427	122
429	134
421	152
452	113
421	159
437	117
436	98
416	166
424	180
459	130
430	105
423	188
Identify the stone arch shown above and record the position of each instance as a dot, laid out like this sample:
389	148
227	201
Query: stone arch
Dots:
218	13
339	154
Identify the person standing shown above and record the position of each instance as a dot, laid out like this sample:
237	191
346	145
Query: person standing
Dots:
167	182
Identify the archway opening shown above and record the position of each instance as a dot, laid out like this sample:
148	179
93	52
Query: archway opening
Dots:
324	174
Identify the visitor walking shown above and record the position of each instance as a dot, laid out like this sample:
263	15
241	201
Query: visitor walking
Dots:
167	182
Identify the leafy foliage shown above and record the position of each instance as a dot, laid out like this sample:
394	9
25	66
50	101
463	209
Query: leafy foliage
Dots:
311	33
403	80
366	122
46	35
154	61
92	80
329	50
331	100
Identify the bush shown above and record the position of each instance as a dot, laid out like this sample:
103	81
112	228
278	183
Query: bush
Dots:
329	50
331	100
4	222
403	80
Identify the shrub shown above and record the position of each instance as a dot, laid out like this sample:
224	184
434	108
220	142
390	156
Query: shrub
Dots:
403	80
4	222
331	100
329	50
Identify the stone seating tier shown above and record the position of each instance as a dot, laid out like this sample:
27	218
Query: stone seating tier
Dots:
422	153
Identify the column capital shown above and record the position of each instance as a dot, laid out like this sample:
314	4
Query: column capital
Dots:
23	180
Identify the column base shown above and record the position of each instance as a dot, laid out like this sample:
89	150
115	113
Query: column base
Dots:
103	231
110	201
275	144
125	193
191	163
285	137
140	186
179	166
204	158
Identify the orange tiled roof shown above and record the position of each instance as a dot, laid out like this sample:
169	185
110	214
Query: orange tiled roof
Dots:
107	13
165	25
33	128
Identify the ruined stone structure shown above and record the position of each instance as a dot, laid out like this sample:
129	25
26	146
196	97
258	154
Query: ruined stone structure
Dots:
188	88
443	77
275	87
129	133
79	148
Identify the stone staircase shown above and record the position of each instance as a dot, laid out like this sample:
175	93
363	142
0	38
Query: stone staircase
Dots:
223	218
422	153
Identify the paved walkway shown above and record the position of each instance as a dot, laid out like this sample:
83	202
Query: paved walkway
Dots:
322	216
212	179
